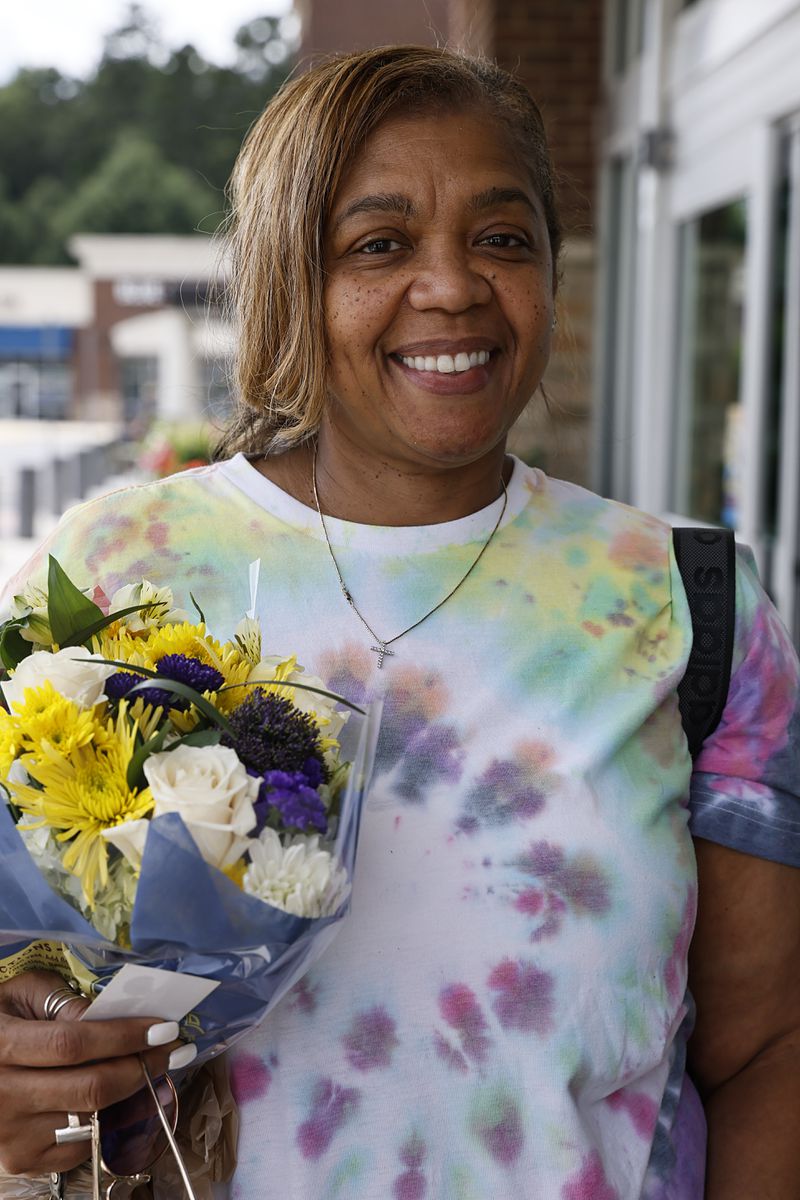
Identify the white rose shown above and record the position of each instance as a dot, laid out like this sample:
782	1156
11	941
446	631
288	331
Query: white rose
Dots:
210	789
161	612
297	876
129	838
74	672
321	708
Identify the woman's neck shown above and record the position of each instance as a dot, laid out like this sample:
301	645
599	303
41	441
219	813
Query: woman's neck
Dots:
376	492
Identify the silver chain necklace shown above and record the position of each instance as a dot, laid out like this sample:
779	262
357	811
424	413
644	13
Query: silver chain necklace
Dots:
381	648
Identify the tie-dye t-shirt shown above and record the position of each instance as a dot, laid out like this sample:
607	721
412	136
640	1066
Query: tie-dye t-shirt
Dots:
505	1012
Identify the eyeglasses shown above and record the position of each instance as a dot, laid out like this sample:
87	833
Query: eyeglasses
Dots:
129	1138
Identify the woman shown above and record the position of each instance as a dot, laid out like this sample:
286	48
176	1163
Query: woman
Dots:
506	1011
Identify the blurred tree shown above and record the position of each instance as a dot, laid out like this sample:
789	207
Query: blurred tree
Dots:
15	233
144	145
135	190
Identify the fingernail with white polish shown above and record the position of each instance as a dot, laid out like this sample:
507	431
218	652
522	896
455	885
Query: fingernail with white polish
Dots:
165	1031
182	1056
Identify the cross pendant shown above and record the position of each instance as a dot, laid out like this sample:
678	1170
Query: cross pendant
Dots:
382	652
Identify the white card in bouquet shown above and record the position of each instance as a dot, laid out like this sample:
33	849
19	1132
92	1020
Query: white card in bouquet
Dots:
148	992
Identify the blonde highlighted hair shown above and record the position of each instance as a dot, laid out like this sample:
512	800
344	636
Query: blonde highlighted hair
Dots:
281	190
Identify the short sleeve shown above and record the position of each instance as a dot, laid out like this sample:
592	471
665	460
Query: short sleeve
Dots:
745	789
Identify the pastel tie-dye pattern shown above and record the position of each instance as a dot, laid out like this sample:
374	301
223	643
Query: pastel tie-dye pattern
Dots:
505	1013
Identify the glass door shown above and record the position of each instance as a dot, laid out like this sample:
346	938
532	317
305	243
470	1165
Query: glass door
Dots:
618	322
782	500
706	468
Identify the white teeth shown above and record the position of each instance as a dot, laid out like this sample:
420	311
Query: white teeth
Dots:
446	364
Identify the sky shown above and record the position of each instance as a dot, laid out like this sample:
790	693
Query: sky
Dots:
68	34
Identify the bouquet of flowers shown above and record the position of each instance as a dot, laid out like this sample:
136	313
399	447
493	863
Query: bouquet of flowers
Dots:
170	800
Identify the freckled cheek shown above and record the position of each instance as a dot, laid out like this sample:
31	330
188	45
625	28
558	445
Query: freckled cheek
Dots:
357	315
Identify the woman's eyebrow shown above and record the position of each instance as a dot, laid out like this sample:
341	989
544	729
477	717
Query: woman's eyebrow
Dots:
495	196
379	202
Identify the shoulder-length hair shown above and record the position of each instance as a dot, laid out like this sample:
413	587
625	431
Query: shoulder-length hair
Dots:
281	191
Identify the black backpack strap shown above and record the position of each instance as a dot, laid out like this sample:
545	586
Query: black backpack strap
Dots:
707	562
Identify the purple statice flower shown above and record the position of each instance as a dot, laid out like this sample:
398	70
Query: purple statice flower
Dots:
314	773
299	806
181	668
118	686
270	734
191	671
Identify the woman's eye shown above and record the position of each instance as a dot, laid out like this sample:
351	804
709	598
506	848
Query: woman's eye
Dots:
379	246
504	241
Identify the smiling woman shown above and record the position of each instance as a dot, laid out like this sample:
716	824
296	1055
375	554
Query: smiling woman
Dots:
371	196
438	304
507	1009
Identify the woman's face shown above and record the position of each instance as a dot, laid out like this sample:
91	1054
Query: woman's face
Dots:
438	292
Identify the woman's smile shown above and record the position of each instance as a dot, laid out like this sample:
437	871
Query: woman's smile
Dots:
448	368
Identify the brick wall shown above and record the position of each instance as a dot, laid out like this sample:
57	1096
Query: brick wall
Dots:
471	25
555	48
341	25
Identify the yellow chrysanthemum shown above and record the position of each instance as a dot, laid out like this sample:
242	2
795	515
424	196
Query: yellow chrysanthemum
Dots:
82	794
282	671
10	742
45	717
184	638
115	643
145	716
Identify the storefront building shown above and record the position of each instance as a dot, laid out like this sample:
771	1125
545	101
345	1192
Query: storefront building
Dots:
697	387
132	333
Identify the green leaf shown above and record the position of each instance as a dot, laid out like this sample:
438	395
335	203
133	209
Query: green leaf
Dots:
68	610
83	636
199	737
304	687
135	775
198	609
182	689
131	668
13	646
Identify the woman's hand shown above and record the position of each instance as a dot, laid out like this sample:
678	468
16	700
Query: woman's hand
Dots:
50	1068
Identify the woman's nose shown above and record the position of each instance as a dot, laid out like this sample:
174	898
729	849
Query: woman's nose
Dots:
447	277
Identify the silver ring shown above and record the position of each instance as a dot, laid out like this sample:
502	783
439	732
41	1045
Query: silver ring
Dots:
73	1131
59	998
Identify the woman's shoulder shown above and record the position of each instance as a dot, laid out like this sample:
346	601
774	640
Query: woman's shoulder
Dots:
182	487
572	510
130	529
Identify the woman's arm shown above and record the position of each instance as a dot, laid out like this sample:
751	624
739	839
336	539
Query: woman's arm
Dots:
744	973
